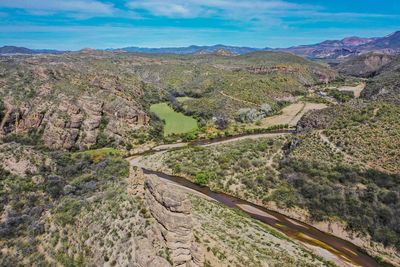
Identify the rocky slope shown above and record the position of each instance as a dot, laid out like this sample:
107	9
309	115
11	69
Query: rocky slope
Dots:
93	209
366	65
77	101
347	47
69	101
385	85
75	210
382	71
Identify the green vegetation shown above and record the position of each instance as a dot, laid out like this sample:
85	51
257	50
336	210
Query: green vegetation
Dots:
56	190
32	138
175	123
233	238
202	178
244	168
341	96
99	153
342	167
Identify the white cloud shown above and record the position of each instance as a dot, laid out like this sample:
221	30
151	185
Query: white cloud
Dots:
255	13
74	7
215	8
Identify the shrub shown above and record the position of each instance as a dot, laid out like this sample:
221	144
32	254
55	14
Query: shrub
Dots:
67	210
202	178
221	122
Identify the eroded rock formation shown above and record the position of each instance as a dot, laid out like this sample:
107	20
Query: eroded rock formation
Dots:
172	211
69	124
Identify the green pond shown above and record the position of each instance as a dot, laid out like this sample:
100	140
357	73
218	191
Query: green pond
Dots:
175	122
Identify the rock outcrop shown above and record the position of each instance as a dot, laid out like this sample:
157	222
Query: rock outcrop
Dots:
66	125
366	65
69	104
136	181
172	211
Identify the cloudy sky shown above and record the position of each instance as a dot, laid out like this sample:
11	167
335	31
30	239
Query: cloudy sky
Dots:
74	24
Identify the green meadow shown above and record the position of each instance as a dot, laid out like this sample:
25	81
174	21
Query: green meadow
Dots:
175	123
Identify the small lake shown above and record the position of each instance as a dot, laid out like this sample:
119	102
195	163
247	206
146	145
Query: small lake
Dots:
175	122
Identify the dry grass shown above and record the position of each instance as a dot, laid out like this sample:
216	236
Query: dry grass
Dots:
355	89
290	115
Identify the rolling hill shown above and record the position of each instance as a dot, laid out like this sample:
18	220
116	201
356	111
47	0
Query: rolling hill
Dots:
93	98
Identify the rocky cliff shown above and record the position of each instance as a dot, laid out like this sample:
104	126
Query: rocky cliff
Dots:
70	103
366	65
172	211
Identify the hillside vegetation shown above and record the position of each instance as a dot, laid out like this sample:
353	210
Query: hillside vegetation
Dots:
366	65
94	99
386	84
342	166
368	133
244	168
45	209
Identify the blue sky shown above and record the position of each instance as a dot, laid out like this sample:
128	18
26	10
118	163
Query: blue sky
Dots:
75	24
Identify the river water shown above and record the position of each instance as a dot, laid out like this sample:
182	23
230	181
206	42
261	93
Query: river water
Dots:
346	251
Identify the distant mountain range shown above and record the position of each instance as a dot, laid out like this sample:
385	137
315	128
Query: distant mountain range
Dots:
330	49
193	49
346	47
6	50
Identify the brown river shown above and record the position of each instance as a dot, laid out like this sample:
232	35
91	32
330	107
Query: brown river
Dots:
347	253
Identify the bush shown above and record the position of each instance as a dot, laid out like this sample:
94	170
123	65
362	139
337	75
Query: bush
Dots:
32	138
341	96
221	122
202	178
67	210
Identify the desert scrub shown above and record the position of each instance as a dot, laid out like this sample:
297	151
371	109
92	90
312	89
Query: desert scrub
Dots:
366	199
240	168
367	131
232	237
371	134
54	190
352	174
67	211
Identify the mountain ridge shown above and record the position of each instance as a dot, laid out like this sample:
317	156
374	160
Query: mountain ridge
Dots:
10	49
328	49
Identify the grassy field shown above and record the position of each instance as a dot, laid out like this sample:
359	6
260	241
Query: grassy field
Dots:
175	123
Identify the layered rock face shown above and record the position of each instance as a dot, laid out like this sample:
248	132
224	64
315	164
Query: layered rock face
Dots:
172	211
70	104
71	125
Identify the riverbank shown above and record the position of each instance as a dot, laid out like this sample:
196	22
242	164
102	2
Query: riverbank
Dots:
335	228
